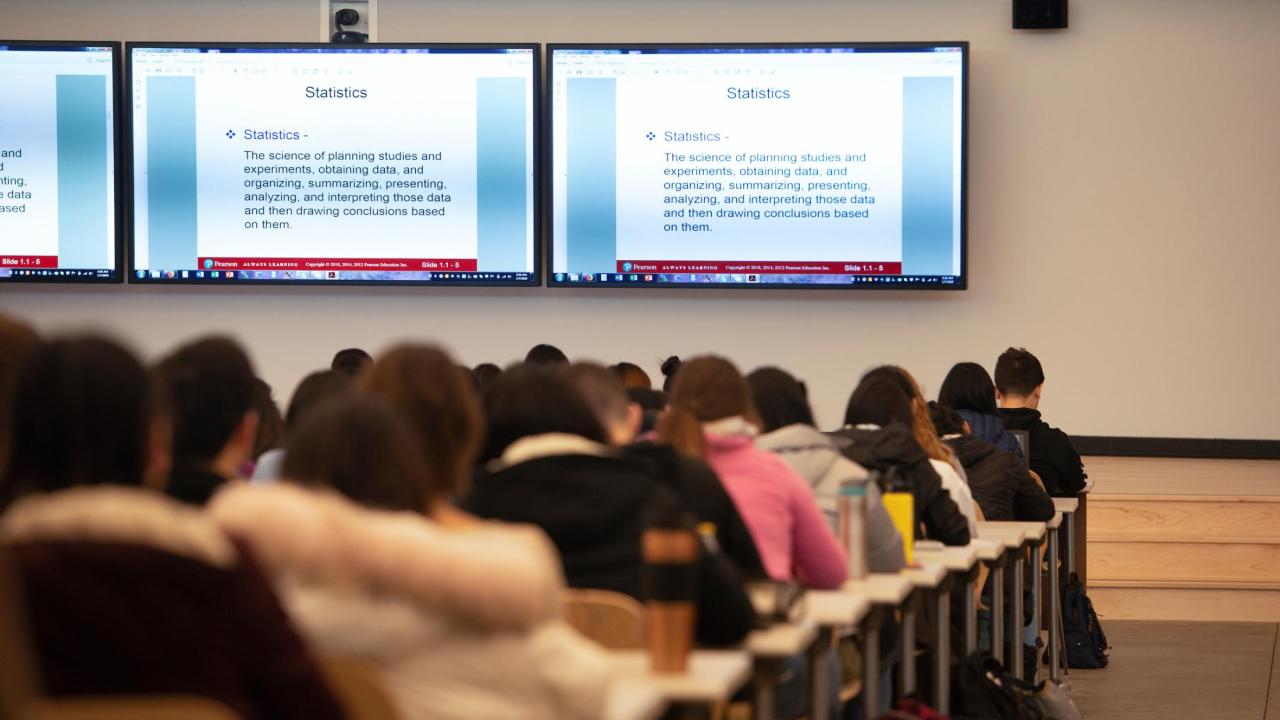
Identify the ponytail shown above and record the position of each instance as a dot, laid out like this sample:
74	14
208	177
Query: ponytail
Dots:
678	428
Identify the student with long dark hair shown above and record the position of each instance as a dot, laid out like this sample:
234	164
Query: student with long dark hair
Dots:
548	463
177	607
877	436
787	423
968	390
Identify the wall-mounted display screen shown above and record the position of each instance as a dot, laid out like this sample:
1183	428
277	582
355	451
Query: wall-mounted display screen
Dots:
59	164
369	164
790	166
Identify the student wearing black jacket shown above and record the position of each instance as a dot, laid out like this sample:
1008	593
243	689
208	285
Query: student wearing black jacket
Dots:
1000	483
692	481
877	436
1019	384
549	465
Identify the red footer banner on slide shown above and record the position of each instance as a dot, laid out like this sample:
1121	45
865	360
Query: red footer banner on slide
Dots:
353	264
29	262
760	267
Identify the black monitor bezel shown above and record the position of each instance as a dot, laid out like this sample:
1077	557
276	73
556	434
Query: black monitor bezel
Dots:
118	161
961	283
535	278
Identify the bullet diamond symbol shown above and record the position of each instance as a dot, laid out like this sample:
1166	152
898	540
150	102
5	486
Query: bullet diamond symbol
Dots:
231	134
650	135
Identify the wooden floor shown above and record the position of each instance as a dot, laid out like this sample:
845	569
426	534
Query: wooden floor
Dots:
1160	670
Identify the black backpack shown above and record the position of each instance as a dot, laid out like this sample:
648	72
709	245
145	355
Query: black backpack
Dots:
984	691
1086	643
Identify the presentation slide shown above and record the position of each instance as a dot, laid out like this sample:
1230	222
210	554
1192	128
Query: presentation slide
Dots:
58	163
367	164
768	166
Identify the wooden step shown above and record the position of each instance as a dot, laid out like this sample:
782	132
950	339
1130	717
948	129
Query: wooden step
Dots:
1197	604
1186	562
1184	519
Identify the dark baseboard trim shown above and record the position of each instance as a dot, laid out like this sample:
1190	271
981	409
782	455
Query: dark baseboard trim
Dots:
1177	447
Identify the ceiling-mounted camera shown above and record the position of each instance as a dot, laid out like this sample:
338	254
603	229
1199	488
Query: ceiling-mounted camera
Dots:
343	19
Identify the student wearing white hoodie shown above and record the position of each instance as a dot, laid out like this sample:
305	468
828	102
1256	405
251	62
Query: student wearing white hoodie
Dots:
463	617
789	432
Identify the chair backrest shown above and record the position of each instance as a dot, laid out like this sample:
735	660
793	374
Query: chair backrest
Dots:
18	681
158	707
360	687
612	619
1024	439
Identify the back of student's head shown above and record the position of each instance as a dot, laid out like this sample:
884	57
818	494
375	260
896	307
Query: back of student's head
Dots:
350	361
921	426
878	401
439	402
360	446
544	354
485	373
314	388
17	341
270	423
670	368
1018	372
208	387
81	416
602	389
706	389
780	399
968	387
946	419
633	376
536	400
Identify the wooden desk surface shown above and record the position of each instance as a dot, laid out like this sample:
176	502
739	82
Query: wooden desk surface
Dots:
1066	505
929	575
882	588
713	676
834	608
634	701
1055	522
1009	537
955	559
1031	530
988	550
782	640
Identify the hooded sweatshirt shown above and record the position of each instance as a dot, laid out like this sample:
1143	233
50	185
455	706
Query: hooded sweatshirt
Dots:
1000	483
816	458
990	428
462	623
595	507
791	534
894	446
1053	457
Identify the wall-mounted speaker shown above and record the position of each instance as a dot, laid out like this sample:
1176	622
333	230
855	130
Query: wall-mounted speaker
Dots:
1039	14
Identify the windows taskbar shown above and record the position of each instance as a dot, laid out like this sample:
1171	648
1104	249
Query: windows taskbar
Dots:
758	279
330	276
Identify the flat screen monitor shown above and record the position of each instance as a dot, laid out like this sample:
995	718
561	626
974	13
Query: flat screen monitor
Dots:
781	166
369	164
59	166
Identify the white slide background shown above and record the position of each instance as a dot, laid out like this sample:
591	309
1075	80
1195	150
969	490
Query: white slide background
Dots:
29	120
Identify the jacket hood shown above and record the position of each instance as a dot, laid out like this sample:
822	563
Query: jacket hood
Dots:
495	576
970	450
811	452
879	448
120	515
983	426
580	500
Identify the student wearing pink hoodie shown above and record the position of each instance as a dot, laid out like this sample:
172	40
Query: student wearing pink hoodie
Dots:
712	417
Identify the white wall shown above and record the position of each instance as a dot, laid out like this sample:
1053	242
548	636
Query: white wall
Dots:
1123	188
